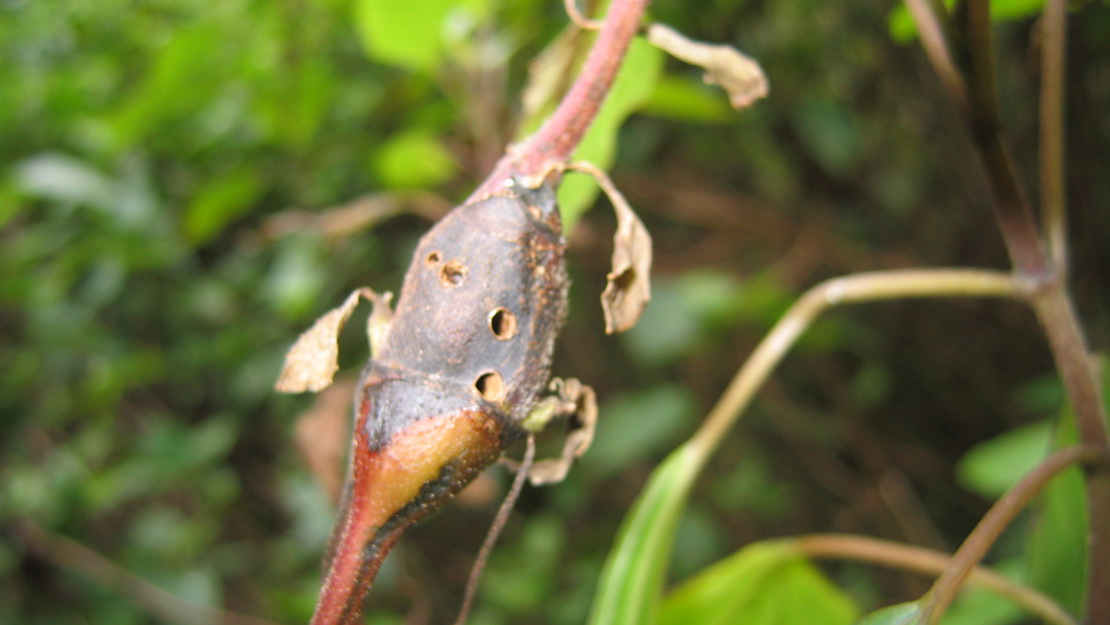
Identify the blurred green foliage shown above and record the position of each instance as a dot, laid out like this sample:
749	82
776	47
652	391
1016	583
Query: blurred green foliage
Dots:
151	151
763	584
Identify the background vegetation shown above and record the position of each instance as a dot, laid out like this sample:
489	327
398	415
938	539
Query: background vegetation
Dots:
184	187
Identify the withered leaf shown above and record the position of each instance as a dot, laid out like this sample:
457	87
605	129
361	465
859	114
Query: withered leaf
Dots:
313	360
628	284
739	75
584	404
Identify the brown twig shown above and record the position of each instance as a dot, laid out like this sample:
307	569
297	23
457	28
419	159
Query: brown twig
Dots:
555	141
994	522
68	554
922	560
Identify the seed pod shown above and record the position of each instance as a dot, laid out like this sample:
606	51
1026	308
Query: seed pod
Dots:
464	360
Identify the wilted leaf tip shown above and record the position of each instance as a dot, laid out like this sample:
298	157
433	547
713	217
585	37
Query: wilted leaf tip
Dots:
739	75
628	284
313	360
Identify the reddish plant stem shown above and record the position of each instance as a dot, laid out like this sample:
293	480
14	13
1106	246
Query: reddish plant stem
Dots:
996	519
922	560
1015	218
1051	304
164	606
555	141
1048	296
1054	309
1054	28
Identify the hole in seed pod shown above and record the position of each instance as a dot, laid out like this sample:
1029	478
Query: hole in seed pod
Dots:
502	323
491	386
452	273
432	259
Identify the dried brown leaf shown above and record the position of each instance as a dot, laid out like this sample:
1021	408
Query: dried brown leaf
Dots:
583	402
628	285
738	74
313	360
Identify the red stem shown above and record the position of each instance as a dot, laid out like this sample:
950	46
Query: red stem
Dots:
555	141
1050	300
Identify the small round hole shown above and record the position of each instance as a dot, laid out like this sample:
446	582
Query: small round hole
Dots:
502	323
491	386
432	259
452	273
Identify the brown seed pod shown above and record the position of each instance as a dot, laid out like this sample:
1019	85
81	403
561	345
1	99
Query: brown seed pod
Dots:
465	359
486	293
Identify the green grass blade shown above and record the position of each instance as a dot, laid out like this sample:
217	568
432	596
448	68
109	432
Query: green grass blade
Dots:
631	582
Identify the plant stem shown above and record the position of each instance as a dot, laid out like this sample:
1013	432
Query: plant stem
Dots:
1053	43
862	287
167	607
1012	211
927	15
555	141
994	521
1051	302
499	521
889	553
1065	337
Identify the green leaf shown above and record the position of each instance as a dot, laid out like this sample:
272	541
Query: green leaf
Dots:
294	108
187	75
219	202
632	579
10	206
297	277
413	160
766	583
901	614
409	34
634	84
992	467
831	134
1057	544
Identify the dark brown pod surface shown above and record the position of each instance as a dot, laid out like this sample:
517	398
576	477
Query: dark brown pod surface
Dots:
478	314
464	360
